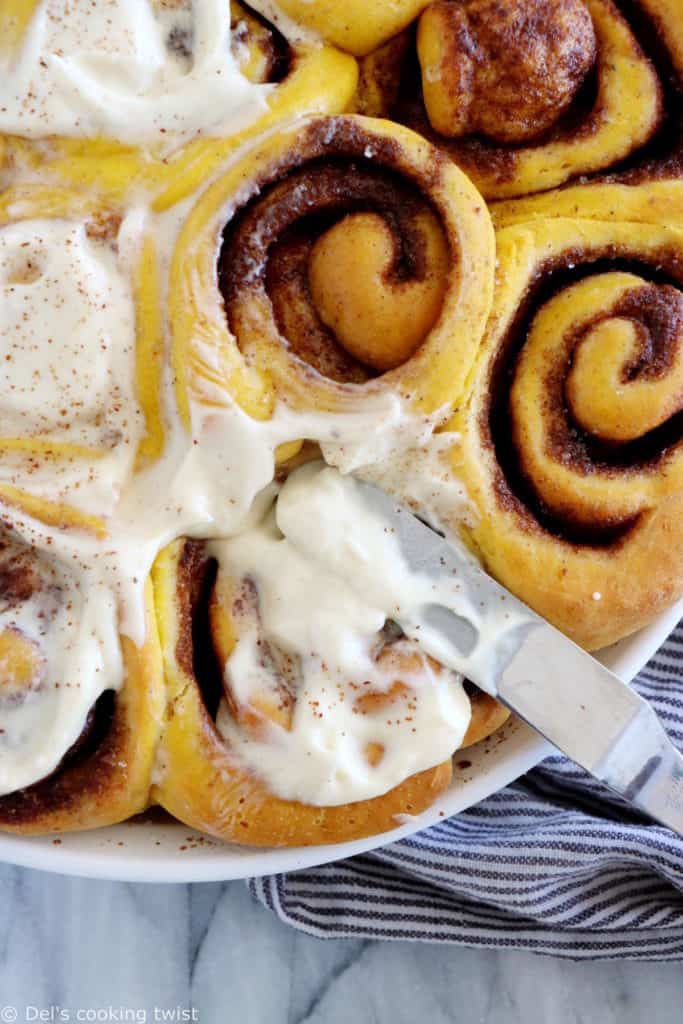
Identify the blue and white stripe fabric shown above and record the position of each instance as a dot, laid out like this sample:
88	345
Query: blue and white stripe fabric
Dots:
554	864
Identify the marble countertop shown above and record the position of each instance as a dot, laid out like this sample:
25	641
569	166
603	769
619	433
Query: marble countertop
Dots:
97	951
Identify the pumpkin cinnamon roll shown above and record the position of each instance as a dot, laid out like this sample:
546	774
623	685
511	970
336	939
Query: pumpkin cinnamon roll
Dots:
357	26
298	711
338	263
80	705
530	94
80	702
652	194
146	100
571	434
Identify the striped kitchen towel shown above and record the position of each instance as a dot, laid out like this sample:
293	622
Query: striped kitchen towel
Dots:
553	864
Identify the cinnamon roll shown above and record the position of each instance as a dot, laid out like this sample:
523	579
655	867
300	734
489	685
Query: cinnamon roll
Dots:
80	416
80	707
357	26
570	443
149	102
528	95
298	711
353	263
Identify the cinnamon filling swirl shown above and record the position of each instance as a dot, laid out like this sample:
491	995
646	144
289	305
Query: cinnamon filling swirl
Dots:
571	435
354	262
195	650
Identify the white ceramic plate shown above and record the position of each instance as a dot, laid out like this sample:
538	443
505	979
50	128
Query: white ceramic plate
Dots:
150	851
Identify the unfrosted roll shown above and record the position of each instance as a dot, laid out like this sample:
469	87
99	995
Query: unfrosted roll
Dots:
354	262
529	95
571	435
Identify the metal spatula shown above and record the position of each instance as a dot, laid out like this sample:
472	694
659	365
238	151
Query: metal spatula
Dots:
561	691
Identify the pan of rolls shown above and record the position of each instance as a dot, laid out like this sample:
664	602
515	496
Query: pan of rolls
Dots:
252	253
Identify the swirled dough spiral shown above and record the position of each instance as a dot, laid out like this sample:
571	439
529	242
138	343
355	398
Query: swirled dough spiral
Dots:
508	74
